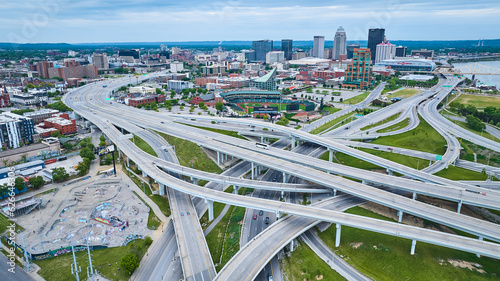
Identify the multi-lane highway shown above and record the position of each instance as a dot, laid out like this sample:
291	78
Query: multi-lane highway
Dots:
84	106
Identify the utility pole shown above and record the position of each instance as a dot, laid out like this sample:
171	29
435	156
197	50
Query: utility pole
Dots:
25	254
90	262
74	266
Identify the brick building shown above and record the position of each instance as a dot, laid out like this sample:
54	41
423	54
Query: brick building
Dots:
358	72
73	69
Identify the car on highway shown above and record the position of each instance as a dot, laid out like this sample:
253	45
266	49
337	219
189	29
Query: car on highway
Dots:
274	179
261	213
188	213
269	277
162	122
255	216
267	220
182	214
375	147
346	128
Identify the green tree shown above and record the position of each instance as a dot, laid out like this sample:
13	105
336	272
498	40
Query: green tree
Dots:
201	104
37	182
129	262
158	91
87	153
102	141
148	241
68	146
219	105
139	106
19	183
55	134
59	174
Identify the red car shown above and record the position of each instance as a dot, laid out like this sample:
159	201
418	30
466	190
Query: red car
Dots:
255	216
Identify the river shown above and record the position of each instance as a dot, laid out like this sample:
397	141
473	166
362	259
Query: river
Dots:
488	79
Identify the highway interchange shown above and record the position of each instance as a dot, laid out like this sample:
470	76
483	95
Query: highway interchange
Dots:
89	102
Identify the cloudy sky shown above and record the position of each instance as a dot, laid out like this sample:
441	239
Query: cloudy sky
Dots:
90	21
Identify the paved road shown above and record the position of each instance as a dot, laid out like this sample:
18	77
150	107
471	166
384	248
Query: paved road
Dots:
194	255
5	275
372	96
346	219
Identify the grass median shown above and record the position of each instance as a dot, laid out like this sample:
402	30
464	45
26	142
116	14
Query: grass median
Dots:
191	155
389	119
335	123
397	126
422	138
143	145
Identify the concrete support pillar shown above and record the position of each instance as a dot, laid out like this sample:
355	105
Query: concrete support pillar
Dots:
253	170
286	177
225	157
480	239
413	243
337	235
330	155
291	246
162	189
363	181
144	174
210	204
128	162
218	158
459	206
262	139
235	190
334	192
414	196
400	216
195	181
389	172
282	194
278	214
293	142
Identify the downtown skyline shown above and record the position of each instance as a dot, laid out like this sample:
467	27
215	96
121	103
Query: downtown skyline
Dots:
55	21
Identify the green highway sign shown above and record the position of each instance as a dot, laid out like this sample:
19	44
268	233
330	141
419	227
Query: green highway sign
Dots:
447	86
439	157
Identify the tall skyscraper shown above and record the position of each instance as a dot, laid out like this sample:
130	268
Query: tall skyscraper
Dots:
319	47
401	51
339	43
286	46
385	51
261	48
375	37
350	49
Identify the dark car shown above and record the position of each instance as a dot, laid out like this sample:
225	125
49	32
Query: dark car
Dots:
261	213
267	220
375	147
